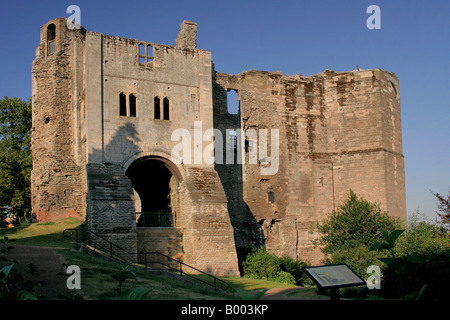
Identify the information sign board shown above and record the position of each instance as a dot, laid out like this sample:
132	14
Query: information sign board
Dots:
334	276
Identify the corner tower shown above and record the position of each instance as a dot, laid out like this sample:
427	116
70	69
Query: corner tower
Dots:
58	181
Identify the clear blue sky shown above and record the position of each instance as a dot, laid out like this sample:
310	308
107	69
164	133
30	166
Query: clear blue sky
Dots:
294	37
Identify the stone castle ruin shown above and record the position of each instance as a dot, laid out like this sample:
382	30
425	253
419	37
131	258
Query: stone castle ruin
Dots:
105	113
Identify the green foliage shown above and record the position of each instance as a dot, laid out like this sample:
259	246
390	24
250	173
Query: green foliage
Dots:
135	294
444	208
356	222
358	258
123	275
423	238
414	275
15	287
262	265
15	158
245	295
295	268
6	248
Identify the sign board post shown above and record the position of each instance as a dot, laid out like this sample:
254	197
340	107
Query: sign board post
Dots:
334	277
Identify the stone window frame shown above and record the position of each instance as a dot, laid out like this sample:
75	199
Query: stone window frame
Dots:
162	108
51	39
126	108
147	59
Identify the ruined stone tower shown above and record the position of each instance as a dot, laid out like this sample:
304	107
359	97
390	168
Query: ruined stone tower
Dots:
119	124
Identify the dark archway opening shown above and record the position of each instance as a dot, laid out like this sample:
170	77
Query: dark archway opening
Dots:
151	181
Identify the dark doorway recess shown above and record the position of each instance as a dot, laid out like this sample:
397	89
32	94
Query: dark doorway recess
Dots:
151	178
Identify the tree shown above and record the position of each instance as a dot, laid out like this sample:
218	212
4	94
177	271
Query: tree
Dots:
349	231
15	158
355	222
444	208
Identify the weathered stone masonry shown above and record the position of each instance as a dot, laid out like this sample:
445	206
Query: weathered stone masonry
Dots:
105	108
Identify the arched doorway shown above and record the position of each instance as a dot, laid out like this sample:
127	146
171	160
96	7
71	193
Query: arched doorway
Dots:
155	187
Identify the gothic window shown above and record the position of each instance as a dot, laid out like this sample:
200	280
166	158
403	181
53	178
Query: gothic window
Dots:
51	36
127	107
145	55
161	112
166	109
157	106
132	105
122	104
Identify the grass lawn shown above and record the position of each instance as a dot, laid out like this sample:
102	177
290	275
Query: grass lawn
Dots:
44	234
97	280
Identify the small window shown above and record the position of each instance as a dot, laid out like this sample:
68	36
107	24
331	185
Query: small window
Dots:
166	109
122	105
51	36
141	53
132	105
157	106
145	55
271	197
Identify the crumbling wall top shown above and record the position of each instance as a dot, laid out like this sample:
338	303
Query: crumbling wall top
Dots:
187	36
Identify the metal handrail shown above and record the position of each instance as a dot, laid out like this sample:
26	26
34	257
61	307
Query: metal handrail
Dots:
180	264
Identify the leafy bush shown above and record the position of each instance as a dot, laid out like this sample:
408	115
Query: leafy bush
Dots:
413	274
358	258
424	238
260	264
349	231
295	269
356	222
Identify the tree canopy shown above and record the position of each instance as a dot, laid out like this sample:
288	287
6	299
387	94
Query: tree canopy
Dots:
15	158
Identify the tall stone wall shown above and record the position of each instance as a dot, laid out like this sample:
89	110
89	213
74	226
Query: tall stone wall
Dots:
337	131
58	177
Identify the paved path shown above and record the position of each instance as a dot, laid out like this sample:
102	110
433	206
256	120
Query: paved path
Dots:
48	265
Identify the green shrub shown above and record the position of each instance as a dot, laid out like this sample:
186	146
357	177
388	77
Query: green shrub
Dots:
284	277
356	222
424	238
417	265
260	264
295	269
358	258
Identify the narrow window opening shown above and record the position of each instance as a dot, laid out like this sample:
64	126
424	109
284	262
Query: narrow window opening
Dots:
157	106
51	36
132	105
122	105
232	102
166	109
141	53
271	197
